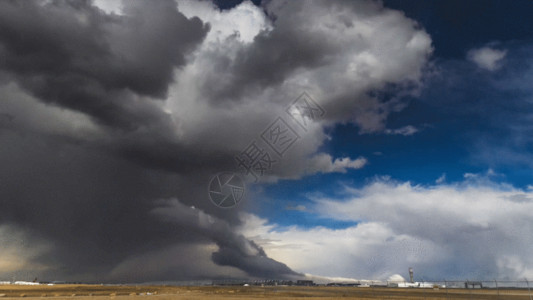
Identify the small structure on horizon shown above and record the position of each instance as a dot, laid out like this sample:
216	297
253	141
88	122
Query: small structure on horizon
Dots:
411	275
305	282
473	284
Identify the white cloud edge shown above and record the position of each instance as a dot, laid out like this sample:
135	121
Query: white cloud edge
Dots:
324	163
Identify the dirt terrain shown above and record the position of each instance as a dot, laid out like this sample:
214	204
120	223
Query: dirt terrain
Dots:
250	292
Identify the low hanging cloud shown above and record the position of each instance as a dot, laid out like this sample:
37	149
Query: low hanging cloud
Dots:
233	249
472	229
487	58
104	109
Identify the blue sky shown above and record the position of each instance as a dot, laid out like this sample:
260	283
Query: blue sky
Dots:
457	26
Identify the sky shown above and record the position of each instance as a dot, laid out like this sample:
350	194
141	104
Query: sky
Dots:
165	141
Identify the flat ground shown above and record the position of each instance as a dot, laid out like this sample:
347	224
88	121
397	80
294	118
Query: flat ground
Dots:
83	292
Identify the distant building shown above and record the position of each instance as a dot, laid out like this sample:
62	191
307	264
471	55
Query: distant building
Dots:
473	284
305	282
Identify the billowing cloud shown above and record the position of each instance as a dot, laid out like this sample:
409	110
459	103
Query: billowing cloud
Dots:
471	229
339	57
487	58
105	111
356	50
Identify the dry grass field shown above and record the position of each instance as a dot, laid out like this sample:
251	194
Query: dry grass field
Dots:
239	292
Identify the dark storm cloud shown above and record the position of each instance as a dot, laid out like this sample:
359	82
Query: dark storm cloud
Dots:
89	137
234	249
88	195
162	154
92	207
89	205
6	120
72	54
87	190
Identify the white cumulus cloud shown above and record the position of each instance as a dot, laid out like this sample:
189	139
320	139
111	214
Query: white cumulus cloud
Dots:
472	229
487	58
252	65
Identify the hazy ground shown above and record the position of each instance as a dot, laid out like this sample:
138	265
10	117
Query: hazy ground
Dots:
240	292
